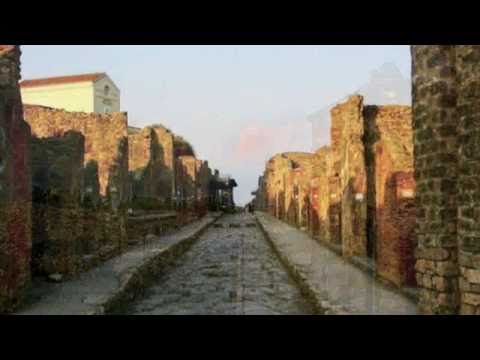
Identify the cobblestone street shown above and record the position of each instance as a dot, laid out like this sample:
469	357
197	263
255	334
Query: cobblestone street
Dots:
231	269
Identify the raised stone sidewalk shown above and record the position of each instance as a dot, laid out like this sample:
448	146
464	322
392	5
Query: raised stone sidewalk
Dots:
109	288
334	285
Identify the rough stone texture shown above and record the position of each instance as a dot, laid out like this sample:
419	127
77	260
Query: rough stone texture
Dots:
335	185
165	185
141	161
468	199
106	143
228	271
204	176
15	184
275	178
151	167
319	223
436	143
334	285
260	201
105	171
58	184
349	160
391	192
139	227
110	287
186	177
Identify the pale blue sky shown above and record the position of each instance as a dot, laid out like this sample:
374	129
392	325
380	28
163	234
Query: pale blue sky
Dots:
211	94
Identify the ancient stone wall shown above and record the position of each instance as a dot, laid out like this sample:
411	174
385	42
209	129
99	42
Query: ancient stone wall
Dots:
151	154
204	175
15	184
468	200
349	159
336	144
437	174
275	180
319	223
106	143
288	187
165	171
186	180
141	163
292	196
105	171
58	185
391	190
260	195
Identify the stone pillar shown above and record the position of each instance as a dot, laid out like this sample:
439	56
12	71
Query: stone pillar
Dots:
435	121
350	162
390	192
57	224
468	201
15	184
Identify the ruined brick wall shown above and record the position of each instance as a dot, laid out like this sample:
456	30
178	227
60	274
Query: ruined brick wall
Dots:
305	201
349	159
151	154
105	170
291	197
437	175
165	170
390	194
276	198
15	184
204	175
262	199
141	162
296	188
468	200
106	143
259	201
186	177
320	194
58	185
336	144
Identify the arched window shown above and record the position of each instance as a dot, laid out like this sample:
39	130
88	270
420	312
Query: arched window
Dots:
106	90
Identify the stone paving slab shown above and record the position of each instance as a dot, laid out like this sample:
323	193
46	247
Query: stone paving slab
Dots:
111	286
333	284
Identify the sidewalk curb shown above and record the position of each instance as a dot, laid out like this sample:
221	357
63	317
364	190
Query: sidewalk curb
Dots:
298	277
134	282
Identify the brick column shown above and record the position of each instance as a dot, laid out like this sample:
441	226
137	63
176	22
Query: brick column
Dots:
468	109
435	150
15	184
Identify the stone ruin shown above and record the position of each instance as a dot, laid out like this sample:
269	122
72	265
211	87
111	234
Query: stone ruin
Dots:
15	184
80	177
446	92
204	176
357	195
68	178
151	167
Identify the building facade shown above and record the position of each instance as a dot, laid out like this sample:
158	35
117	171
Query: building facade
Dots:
80	93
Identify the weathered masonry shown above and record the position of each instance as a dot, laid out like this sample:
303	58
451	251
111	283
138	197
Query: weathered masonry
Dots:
57	215
390	192
151	169
81	187
349	163
68	180
446	113
319	223
357	195
15	189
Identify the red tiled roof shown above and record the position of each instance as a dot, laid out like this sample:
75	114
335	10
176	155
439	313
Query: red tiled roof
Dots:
62	80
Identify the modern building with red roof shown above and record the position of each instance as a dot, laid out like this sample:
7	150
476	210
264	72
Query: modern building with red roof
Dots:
95	92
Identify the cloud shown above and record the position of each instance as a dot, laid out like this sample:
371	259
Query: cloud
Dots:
255	144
